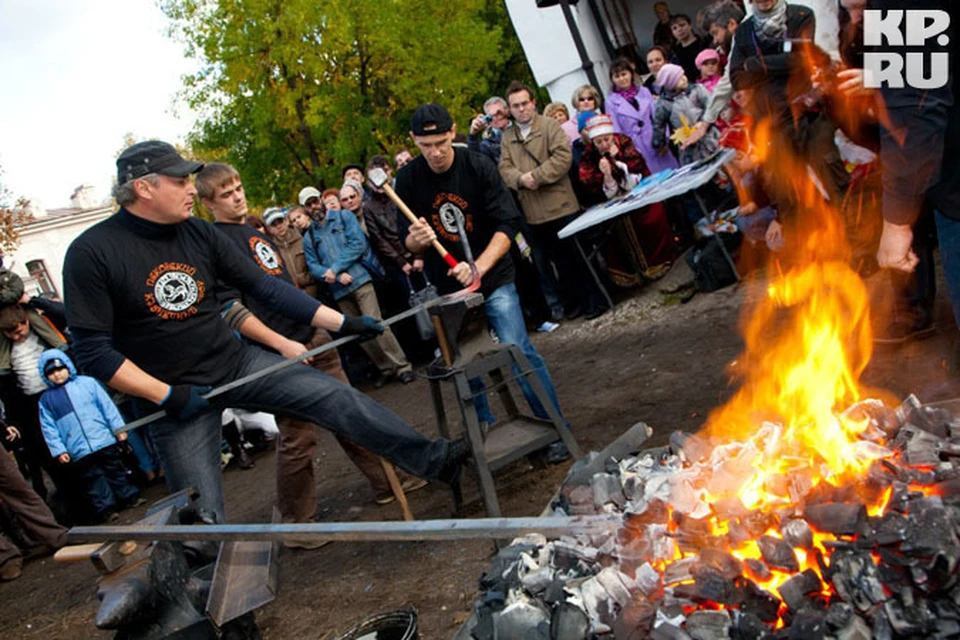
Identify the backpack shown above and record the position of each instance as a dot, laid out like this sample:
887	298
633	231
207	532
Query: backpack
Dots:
711	269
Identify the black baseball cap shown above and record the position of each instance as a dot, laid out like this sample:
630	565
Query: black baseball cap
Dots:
153	156
358	167
52	365
430	119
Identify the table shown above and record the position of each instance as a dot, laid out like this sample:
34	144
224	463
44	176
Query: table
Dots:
651	190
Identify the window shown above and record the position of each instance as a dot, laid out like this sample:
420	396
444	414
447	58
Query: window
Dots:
38	272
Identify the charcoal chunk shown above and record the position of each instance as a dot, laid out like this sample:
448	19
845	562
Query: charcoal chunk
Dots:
708	625
808	624
838	518
797	533
856	581
756	569
719	562
568	622
914	620
759	602
855	629
748	626
778	554
795	590
891	528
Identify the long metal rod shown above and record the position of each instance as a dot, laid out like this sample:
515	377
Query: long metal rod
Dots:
256	375
479	528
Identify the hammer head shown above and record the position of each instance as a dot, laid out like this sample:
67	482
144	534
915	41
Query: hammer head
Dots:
378	177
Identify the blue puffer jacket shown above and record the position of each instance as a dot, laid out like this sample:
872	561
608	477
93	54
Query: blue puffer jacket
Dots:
77	417
338	244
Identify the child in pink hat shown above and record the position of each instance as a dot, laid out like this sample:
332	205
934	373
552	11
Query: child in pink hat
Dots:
708	63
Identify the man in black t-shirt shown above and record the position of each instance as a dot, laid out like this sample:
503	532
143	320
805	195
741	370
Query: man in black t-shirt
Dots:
444	185
145	319
221	192
688	46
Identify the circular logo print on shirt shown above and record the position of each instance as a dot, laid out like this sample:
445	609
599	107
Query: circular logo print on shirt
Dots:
449	214
265	255
176	291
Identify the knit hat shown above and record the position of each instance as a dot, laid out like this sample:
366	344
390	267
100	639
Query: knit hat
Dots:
583	117
706	54
273	214
669	75
306	193
599	125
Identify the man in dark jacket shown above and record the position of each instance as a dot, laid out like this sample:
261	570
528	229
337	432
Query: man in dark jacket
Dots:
140	303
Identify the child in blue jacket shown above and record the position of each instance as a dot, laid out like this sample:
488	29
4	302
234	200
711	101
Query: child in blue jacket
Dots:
78	418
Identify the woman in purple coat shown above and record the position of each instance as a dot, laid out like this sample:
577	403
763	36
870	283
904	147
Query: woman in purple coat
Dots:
632	107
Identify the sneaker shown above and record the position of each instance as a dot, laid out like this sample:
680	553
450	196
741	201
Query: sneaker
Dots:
305	544
457	454
11	570
557	452
409	485
548	326
407	377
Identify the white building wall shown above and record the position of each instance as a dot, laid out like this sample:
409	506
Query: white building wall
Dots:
48	240
553	58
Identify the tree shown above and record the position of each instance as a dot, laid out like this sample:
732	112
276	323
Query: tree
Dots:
13	215
292	90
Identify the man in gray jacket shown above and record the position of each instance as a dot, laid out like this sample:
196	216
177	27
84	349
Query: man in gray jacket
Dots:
535	162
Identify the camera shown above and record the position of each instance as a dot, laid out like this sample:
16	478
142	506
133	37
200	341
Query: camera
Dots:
486	119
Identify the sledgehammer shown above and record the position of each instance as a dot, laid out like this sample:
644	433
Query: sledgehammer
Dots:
379	179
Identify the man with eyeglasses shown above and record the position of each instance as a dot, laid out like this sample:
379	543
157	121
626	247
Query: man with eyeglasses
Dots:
486	130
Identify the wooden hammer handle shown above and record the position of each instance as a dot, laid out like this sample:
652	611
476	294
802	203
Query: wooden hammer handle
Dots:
412	217
76	552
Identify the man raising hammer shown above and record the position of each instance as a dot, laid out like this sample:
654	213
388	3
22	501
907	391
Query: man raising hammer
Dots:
145	320
447	185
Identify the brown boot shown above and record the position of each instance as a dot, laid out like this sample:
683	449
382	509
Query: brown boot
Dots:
11	570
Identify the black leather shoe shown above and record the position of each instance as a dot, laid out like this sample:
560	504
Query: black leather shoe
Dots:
596	312
407	377
574	312
457	454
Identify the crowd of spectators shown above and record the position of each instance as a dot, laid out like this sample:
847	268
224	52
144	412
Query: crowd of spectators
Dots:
757	85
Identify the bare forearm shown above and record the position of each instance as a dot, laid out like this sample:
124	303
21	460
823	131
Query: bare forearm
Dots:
134	381
499	245
327	318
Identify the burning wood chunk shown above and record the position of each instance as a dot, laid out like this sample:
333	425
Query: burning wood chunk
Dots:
708	625
842	519
679	571
758	522
796	590
778	554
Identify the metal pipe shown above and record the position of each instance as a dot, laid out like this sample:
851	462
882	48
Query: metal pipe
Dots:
479	529
585	62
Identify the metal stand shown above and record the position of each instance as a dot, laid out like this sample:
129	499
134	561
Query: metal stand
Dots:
468	353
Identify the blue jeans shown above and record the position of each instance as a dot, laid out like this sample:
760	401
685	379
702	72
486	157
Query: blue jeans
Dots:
948	232
143	448
190	450
506	319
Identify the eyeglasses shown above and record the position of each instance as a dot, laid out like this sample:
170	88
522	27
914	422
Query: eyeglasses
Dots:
585	98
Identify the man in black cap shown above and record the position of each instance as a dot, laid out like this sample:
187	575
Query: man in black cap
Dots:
444	185
141	306
355	172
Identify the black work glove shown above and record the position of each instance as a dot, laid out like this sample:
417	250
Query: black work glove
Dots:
185	401
364	326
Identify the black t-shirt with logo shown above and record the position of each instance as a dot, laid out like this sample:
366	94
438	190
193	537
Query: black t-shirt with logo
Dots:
267	257
152	287
472	189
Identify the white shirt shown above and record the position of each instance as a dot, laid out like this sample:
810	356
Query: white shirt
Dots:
525	129
24	358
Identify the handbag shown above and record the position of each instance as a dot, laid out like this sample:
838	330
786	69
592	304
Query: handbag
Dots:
370	262
422	317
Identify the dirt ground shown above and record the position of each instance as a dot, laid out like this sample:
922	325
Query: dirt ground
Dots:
651	360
